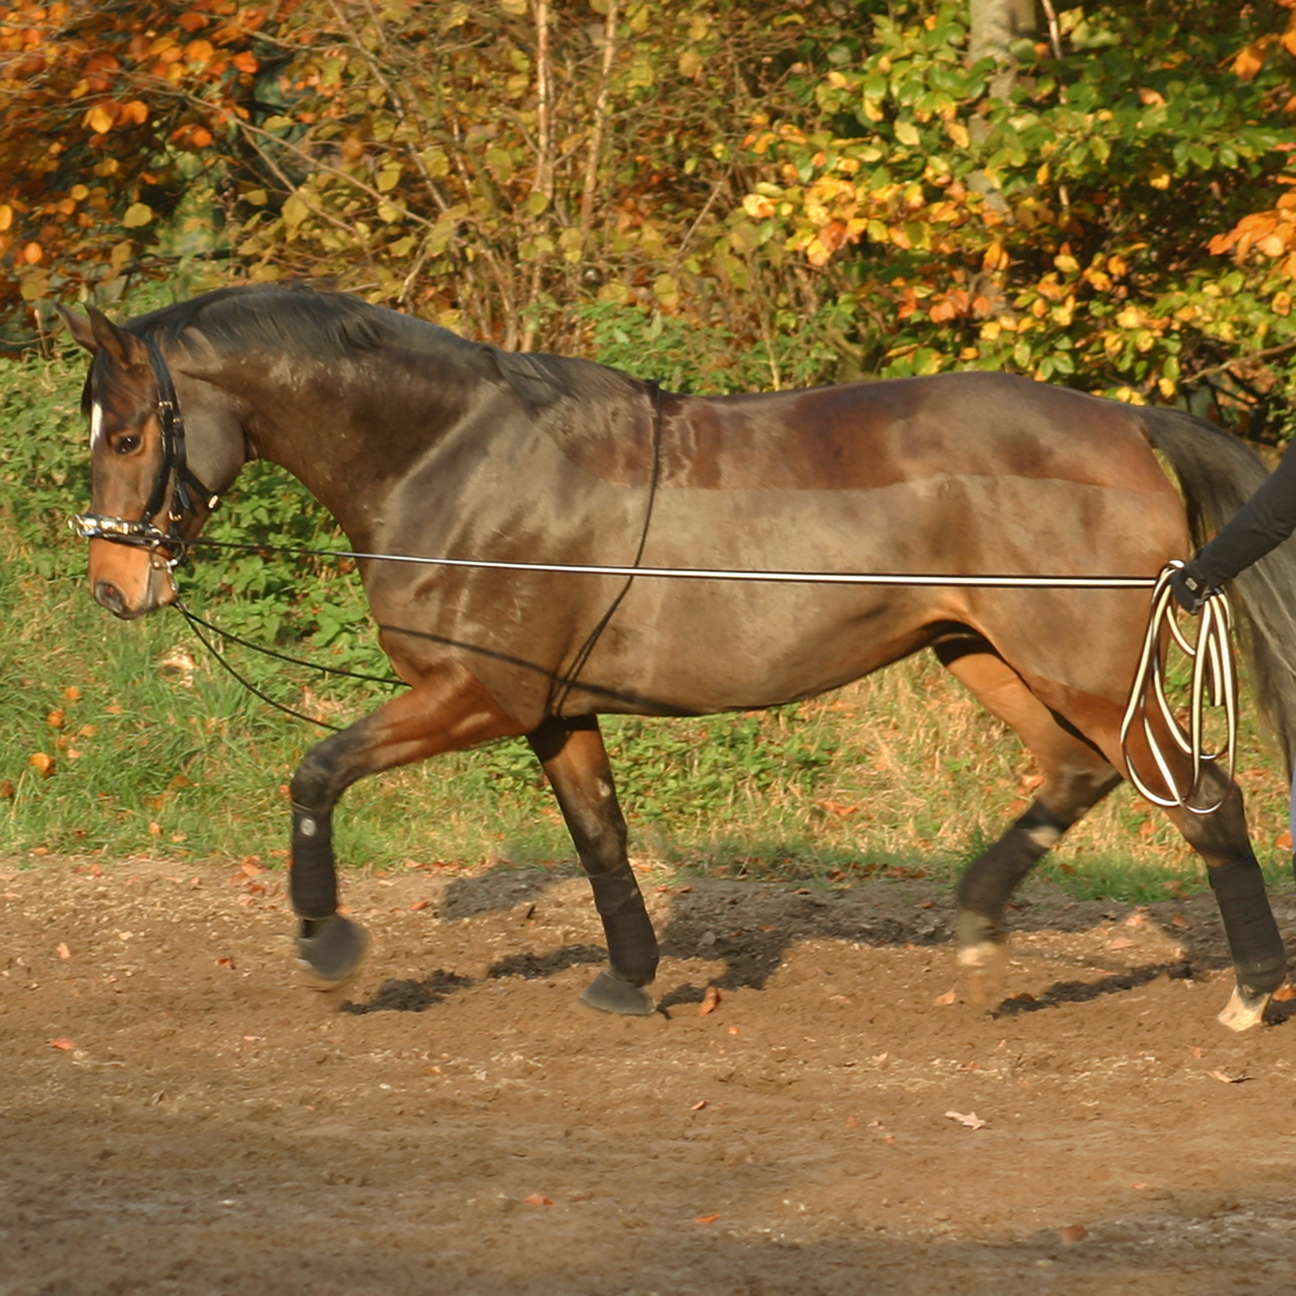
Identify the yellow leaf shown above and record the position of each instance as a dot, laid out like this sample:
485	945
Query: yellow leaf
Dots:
137	214
907	133
6	216
99	119
958	133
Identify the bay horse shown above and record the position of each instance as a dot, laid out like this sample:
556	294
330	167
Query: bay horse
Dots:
422	443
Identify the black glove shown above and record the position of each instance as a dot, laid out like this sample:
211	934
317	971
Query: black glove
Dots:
1189	590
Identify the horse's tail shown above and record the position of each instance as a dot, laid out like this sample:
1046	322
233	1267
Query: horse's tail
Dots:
1217	473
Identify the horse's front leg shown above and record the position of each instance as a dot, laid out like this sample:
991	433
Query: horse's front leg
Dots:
445	711
576	764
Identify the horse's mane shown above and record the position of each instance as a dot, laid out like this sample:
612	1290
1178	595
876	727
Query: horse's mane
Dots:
333	326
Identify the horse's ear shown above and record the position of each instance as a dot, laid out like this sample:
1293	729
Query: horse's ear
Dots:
79	327
96	332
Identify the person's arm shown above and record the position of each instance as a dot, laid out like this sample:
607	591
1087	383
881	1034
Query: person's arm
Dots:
1262	523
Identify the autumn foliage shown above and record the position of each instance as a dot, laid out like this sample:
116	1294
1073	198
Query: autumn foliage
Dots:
723	194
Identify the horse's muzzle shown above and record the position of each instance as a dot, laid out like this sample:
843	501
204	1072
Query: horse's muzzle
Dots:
128	582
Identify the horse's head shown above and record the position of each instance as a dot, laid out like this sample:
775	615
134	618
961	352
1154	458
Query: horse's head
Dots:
156	472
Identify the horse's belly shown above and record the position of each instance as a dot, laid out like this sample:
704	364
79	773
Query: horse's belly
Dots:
705	645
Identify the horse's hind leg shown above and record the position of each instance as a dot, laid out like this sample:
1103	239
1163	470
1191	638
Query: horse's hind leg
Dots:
445	711
576	764
1256	946
1075	778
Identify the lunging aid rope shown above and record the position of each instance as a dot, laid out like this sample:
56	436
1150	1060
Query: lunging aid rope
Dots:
1211	656
1214	680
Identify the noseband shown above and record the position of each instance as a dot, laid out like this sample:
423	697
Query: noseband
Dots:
168	547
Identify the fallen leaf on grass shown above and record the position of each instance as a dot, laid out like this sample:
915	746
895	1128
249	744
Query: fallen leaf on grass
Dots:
970	1119
42	763
710	1001
538	1199
64	1044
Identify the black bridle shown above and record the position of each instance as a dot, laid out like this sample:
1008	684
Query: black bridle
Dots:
174	474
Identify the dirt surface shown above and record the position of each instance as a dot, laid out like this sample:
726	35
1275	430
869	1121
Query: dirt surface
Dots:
179	1115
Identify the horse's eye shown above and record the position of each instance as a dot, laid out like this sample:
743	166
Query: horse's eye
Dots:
126	444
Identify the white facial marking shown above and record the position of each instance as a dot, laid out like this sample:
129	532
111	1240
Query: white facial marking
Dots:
96	424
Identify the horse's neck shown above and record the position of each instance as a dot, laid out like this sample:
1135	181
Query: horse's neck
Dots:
346	437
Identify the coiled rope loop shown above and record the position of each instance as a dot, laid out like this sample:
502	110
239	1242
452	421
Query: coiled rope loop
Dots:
1214	683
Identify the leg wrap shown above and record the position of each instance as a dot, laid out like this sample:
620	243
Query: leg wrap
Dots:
312	879
1253	936
992	878
631	941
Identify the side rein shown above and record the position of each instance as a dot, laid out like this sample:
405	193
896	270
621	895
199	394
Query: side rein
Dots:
169	546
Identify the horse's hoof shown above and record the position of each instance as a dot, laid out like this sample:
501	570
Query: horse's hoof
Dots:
1244	1009
610	994
982	967
330	951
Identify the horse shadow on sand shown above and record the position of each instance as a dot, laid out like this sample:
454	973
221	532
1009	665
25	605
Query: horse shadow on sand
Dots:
750	927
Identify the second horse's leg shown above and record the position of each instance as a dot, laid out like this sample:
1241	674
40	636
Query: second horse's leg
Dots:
445	711
576	764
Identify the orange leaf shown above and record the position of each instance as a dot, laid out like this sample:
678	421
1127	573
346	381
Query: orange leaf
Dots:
710	1001
1285	992
947	998
63	1044
100	118
1249	62
705	1219
245	61
539	1199
42	763
33	253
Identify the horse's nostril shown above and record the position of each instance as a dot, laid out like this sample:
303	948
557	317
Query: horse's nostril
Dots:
108	595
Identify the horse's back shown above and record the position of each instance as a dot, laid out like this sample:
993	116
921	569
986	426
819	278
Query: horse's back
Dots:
874	434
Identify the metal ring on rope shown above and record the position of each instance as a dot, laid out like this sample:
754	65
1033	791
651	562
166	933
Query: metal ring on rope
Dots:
1212	671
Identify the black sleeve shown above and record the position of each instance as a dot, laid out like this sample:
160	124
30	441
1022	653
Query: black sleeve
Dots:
1265	520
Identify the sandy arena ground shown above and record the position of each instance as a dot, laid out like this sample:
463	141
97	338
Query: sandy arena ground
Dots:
179	1115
